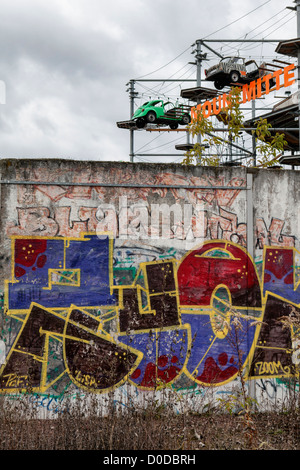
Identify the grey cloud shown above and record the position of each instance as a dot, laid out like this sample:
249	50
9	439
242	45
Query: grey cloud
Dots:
66	74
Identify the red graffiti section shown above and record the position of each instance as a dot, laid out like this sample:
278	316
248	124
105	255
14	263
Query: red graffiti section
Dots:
164	371
29	252
279	264
213	371
214	264
215	277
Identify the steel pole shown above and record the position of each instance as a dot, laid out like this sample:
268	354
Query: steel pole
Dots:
298	65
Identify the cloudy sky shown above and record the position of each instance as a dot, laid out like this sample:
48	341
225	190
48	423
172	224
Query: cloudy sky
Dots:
64	66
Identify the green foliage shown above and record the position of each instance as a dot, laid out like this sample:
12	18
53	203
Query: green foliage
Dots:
268	148
203	127
234	116
235	403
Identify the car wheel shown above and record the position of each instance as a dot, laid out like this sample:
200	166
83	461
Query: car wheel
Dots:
219	85
174	125
234	76
140	123
151	117
186	119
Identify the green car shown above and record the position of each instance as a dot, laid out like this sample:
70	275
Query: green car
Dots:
160	112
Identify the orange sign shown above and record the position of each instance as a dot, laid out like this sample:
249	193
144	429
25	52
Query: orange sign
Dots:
250	91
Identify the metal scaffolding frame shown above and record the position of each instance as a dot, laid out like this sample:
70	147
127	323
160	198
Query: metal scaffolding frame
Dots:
200	56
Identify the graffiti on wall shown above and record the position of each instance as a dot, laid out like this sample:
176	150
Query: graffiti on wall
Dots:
127	222
175	318
88	308
209	210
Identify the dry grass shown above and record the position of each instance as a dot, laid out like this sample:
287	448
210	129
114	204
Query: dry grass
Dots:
152	431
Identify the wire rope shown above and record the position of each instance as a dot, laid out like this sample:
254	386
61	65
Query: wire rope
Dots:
163	66
229	46
238	19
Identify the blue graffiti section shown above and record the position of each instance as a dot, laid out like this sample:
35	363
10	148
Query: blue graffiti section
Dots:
173	318
57	273
280	273
164	355
216	359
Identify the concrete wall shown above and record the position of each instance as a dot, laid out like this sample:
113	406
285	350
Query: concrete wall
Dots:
118	275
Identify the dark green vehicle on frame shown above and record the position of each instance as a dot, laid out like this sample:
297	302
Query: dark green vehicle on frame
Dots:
160	112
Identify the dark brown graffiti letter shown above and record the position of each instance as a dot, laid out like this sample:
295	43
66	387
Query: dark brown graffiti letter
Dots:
27	355
94	361
162	309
